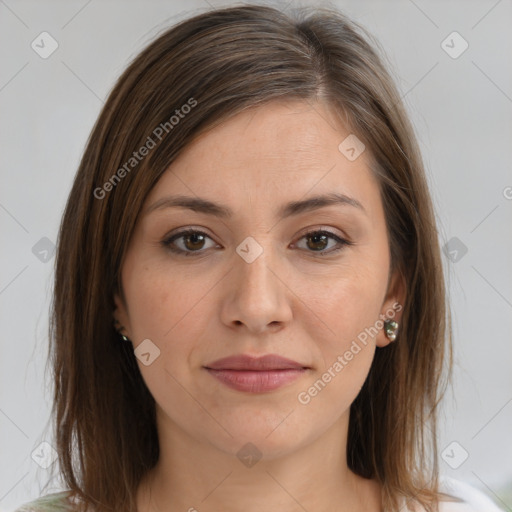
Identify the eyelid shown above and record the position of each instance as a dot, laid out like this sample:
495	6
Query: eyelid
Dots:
327	229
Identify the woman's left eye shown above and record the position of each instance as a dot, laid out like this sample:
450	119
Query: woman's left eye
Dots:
320	240
194	240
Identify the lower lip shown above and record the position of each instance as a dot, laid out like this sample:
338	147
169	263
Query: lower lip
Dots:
256	381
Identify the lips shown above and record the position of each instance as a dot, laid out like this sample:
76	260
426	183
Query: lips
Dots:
256	375
264	363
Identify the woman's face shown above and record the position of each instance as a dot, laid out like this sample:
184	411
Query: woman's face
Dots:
264	278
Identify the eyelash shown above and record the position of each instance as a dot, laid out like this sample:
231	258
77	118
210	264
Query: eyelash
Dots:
167	243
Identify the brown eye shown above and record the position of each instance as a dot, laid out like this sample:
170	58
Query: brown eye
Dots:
318	241
192	241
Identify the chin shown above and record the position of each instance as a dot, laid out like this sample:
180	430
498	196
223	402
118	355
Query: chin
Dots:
272	439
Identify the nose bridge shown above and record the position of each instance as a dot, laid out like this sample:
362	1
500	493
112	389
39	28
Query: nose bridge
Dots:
256	259
258	297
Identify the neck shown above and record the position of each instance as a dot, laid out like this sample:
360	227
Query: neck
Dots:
192	475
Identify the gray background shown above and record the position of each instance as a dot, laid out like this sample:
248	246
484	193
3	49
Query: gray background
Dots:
462	111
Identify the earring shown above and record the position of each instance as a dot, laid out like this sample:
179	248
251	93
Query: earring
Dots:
123	337
119	328
391	328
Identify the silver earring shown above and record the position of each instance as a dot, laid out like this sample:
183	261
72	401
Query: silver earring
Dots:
119	327
391	329
123	337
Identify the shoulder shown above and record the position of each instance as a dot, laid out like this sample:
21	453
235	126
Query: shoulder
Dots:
471	499
54	502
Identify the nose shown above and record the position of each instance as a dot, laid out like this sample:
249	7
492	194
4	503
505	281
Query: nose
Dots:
258	298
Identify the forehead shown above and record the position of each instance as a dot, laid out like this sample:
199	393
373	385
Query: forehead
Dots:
279	131
274	150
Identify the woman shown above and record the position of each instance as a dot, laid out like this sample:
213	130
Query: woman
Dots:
249	308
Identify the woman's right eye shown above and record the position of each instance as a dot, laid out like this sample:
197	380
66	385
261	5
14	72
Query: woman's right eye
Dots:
192	241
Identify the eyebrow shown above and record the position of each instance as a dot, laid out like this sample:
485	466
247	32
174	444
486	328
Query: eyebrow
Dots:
205	206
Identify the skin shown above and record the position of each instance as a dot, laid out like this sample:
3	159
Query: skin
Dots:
289	301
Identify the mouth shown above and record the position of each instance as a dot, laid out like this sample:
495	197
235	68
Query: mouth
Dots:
256	375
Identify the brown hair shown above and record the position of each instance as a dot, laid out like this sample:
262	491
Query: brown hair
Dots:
219	63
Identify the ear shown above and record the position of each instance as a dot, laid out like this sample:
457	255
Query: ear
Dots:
392	307
121	318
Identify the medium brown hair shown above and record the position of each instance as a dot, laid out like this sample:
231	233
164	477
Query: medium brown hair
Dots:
220	63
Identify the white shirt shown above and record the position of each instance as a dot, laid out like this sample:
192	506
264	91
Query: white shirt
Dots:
474	499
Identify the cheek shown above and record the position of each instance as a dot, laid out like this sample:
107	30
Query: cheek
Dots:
343	318
344	347
163	311
346	304
149	296
157	304
174	312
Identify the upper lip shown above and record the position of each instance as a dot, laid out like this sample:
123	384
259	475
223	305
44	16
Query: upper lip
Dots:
245	362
